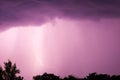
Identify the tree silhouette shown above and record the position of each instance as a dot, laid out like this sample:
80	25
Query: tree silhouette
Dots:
115	77
91	76
47	76
10	72
71	77
95	76
1	73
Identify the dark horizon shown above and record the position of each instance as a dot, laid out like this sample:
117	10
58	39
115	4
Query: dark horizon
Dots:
10	72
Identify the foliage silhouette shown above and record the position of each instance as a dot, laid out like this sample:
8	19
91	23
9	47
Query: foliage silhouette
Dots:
47	76
95	76
91	76
9	72
70	77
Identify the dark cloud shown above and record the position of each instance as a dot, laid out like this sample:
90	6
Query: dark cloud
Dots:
36	12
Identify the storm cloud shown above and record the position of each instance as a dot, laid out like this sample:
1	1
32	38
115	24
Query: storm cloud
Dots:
37	12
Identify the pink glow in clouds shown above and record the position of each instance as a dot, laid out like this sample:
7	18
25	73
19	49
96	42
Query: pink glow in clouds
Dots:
63	47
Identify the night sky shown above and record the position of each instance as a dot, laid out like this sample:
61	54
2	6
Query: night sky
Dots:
61	36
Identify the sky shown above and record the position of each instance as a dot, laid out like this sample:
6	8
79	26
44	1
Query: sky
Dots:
61	36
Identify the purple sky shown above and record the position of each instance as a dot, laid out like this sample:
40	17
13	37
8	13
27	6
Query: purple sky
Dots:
61	36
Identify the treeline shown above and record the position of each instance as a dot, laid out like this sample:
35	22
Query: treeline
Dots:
92	76
10	72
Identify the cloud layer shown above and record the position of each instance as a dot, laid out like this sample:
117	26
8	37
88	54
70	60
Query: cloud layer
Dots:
36	12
